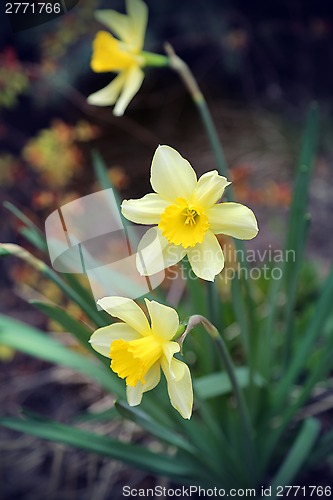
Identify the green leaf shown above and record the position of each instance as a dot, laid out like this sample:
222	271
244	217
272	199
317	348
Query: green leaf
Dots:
100	416
103	445
320	315
298	454
299	221
24	338
323	450
218	384
48	272
143	420
32	233
80	331
240	314
101	171
72	294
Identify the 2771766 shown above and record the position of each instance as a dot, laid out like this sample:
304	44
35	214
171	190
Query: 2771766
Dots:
33	8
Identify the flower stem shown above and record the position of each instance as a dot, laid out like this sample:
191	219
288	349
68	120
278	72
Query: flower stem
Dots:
199	100
230	369
152	59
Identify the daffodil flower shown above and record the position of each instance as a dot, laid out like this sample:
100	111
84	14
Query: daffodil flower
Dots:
121	55
187	215
138	350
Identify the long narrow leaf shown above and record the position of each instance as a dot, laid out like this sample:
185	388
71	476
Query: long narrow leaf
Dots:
34	234
80	331
298	454
24	338
218	384
298	221
48	272
143	420
103	445
320	315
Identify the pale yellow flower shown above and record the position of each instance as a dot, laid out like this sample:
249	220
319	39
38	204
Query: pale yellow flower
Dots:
188	217
138	350
121	55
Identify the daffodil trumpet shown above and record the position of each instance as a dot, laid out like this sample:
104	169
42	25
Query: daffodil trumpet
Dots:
188	217
139	349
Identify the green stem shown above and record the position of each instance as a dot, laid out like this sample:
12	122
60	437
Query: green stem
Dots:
199	100
227	361
213	303
152	59
238	393
241	403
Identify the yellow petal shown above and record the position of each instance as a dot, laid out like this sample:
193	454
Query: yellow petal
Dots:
134	79
206	258
109	54
155	253
210	189
234	220
138	14
146	210
179	386
102	338
134	394
164	319
128	311
109	94
120	24
172	176
169	349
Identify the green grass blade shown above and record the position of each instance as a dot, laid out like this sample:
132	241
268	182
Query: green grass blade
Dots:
146	422
90	310
134	455
266	346
100	416
84	291
298	221
101	172
240	314
319	372
323	449
298	454
320	315
218	384
34	234
29	340
80	331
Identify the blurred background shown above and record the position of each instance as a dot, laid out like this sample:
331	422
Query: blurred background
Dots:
259	64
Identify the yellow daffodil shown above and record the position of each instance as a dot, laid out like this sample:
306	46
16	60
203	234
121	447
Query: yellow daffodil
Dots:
138	350
187	215
121	55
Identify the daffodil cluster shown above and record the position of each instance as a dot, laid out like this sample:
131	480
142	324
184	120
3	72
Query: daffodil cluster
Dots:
187	216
